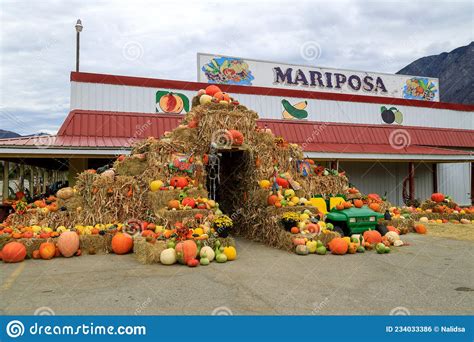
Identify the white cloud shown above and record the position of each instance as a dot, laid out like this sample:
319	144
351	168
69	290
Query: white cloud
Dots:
37	43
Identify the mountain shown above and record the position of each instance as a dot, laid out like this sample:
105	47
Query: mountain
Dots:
454	69
8	134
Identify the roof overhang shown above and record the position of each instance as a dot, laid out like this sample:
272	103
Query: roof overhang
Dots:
17	152
390	157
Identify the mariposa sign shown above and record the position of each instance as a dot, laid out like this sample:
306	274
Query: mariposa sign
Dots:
248	72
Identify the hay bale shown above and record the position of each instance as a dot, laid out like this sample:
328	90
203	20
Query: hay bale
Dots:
96	244
147	252
130	167
272	211
404	225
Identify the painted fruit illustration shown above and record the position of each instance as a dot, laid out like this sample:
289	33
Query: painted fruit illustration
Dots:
169	102
296	111
391	115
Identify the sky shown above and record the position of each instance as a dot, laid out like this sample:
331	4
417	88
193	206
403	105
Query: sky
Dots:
160	39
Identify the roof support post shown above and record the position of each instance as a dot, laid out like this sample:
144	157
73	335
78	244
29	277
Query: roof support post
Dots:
6	171
21	181
45	180
434	170
411	180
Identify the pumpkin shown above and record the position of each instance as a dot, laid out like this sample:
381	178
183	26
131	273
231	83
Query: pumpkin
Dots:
27	235
221	96
374	206
185	251
39	203
294	230
372	236
437	197
312	228
237	137
282	182
179	182
420	229
338	246
340	206
188	201
230	252
347	205
358	203
36	254
156	185
208	252
299	241
212	89
302	250
393	229
68	244
65	193
272	199
352	248
168	256
173	204
192	262
47	250
122	243
13	252
392	236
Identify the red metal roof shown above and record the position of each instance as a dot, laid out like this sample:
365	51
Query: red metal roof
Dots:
99	130
186	85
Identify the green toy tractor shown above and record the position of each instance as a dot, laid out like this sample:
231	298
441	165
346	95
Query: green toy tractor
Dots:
353	220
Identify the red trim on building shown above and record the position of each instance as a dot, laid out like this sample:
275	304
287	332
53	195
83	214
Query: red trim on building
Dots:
184	85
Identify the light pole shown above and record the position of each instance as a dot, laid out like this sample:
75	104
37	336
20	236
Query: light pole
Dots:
78	32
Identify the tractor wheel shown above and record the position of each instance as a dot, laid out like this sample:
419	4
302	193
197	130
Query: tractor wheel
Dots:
339	230
382	229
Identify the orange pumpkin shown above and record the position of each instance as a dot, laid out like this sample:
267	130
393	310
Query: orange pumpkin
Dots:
47	250
294	230
282	182
36	254
437	197
185	251
340	206
272	199
237	137
358	203
28	234
122	243
421	229
299	241
338	246
372	236
16	235
13	252
40	203
221	96
278	204
347	205
212	90
68	244
374	206
173	204
179	182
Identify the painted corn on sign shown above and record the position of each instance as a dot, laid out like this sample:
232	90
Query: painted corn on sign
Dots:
248	72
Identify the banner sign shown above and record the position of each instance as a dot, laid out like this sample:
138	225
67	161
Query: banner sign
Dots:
249	72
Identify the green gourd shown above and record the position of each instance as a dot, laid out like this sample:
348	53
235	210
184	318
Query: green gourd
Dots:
204	260
221	258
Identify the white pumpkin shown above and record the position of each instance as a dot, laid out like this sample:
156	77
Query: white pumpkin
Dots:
424	219
398	243
392	237
110	173
168	256
208	251
68	243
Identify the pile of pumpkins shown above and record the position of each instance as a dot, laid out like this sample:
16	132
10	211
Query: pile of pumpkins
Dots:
370	240
285	198
176	182
192	203
214	94
192	253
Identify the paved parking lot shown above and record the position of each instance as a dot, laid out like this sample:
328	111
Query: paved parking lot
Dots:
431	276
